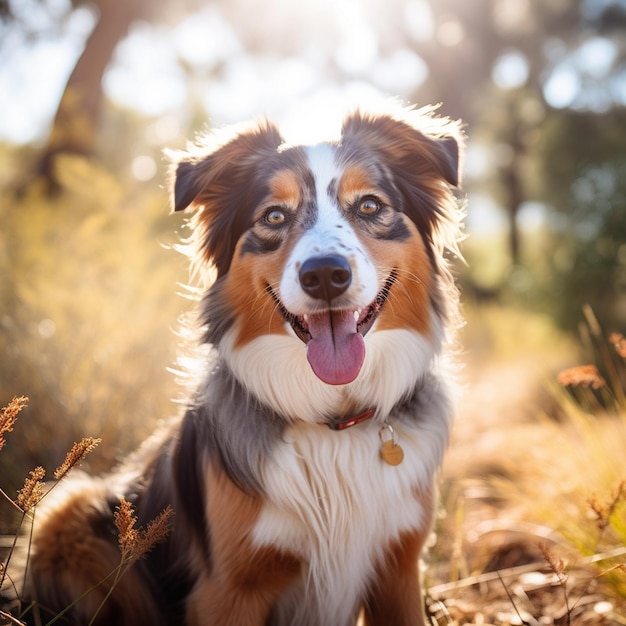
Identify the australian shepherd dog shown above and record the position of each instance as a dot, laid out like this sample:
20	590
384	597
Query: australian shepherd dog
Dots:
302	471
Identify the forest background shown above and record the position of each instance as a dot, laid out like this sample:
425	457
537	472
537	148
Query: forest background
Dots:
91	92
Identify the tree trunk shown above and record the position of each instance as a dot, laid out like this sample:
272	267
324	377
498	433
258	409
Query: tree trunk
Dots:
514	191
77	118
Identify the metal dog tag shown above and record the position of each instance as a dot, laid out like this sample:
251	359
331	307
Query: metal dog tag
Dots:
392	453
390	450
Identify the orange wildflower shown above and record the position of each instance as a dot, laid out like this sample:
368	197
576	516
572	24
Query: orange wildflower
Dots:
581	375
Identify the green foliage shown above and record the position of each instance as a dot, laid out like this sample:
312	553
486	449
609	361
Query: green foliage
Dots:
584	179
576	171
88	306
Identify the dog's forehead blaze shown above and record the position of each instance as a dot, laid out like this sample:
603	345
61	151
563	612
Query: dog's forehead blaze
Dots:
285	187
408	305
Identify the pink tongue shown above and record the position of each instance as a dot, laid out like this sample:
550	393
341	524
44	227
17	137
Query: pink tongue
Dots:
336	350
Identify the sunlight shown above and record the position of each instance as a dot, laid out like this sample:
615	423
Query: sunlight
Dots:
296	91
510	70
143	168
193	45
318	117
25	116
228	81
597	56
33	75
419	20
358	47
561	89
512	16
578	78
146	57
450	33
332	54
399	73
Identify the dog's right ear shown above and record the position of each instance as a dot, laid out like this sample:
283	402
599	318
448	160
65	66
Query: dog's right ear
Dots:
186	185
216	159
219	178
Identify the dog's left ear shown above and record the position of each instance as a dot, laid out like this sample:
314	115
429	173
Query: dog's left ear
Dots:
422	152
415	141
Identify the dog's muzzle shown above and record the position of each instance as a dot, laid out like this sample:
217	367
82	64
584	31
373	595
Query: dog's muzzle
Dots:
333	336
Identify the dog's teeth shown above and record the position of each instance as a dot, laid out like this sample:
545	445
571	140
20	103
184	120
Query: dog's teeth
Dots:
357	314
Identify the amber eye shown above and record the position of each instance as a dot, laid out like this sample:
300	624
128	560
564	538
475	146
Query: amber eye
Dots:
275	217
369	206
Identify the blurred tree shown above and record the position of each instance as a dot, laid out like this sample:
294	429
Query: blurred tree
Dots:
474	37
78	114
584	166
491	62
76	122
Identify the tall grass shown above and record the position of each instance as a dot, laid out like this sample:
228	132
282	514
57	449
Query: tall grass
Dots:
87	312
592	400
545	489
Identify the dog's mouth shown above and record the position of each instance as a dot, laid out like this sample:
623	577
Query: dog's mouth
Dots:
334	338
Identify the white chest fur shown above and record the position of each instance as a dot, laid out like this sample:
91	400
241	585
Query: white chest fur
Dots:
333	502
275	370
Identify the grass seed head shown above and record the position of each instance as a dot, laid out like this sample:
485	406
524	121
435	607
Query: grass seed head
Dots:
557	565
136	542
8	416
619	343
604	511
78	452
32	491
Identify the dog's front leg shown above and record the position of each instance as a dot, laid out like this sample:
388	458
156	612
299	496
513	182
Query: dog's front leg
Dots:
395	597
241	581
244	595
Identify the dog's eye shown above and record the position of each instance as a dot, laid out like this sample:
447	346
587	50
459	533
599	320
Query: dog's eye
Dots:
369	205
275	217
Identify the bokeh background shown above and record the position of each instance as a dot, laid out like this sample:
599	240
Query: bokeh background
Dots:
91	92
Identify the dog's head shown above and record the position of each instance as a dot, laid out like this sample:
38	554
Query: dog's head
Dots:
328	244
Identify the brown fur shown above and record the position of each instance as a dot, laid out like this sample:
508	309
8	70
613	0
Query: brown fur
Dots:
244	582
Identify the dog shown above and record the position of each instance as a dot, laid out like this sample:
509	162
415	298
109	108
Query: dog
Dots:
302	471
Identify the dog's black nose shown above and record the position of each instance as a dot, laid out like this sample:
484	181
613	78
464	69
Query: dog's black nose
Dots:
325	277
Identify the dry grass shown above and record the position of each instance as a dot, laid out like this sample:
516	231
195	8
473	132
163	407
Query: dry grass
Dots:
88	307
535	523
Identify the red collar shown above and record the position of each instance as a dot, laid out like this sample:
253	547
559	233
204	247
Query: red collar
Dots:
344	423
